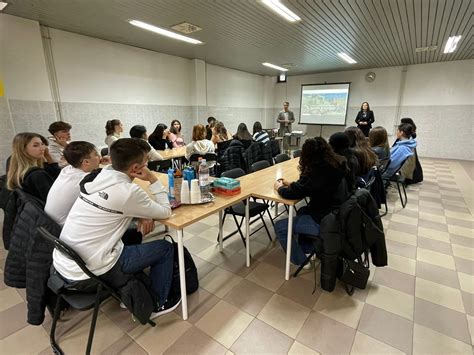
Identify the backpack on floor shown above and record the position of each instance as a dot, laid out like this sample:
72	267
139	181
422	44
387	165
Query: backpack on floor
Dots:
192	280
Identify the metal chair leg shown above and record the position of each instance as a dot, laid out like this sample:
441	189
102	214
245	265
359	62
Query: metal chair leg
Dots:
52	334
94	319
265	225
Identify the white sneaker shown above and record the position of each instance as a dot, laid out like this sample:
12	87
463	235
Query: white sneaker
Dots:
122	305
169	306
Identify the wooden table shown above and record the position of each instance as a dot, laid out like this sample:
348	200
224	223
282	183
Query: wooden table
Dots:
173	153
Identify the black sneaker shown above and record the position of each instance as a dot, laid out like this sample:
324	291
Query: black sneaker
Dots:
169	306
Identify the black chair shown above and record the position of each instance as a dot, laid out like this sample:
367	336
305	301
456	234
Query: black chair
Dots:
262	164
211	160
297	153
280	158
375	186
81	300
159	165
399	180
238	210
104	151
275	146
383	164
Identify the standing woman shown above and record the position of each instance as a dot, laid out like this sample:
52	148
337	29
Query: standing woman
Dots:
176	137
31	166
113	130
365	118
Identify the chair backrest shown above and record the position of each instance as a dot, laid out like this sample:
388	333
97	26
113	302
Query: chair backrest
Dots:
262	164
280	158
384	163
233	173
222	146
297	153
275	147
104	151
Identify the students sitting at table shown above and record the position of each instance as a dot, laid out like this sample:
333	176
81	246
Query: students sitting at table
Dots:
378	141
220	133
61	136
243	135
31	166
113	129
259	135
402	150
108	202
365	156
199	145
176	137
321	179
159	139
139	131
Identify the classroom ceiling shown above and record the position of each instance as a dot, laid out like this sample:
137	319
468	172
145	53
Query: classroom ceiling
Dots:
241	34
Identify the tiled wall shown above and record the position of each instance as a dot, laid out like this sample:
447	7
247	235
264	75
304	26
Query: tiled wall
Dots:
6	133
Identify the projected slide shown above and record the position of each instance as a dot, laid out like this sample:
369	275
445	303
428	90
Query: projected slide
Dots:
324	104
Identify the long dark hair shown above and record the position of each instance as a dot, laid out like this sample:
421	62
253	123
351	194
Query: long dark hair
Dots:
368	106
366	157
158	132
243	133
173	130
406	129
110	126
378	138
257	127
314	152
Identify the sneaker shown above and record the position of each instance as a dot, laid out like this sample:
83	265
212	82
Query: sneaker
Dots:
122	305
307	266
169	306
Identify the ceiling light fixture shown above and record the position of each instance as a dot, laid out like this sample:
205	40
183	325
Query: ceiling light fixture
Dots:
451	44
3	5
346	57
163	32
282	10
273	66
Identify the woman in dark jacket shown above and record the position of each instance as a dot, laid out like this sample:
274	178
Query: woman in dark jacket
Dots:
365	118
341	145
31	166
159	138
321	179
243	135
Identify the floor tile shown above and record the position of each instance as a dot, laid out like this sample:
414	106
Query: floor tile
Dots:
462	231
433	234
456	208
432	225
395	279
403	227
431	210
435	258
364	344
460	222
204	267
427	341
341	307
224	323
402	249
391	300
199	303
463	252
31	339
276	257
435	245
464	265
326	335
432	217
248	297
396	331
13	319
468	301
124	345
402	264
300	290
214	256
284	314
237	265
437	274
197	244
260	338
458	215
121	317
467	282
439	294
470	322
404	219
219	282
268	276
299	349
195	341
465	242
401	237
8	298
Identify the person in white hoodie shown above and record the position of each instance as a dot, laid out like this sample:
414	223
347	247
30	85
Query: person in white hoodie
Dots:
107	203
199	145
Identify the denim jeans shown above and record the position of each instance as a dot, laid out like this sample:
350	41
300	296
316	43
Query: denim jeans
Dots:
302	224
158	255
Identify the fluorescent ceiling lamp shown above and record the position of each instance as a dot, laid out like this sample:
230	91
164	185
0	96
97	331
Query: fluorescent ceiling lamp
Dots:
451	44
163	32
3	5
345	57
273	66
282	10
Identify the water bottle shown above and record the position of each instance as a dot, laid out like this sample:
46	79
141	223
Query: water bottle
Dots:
171	183
204	179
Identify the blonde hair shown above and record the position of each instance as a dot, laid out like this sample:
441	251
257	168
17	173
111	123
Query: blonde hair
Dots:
20	161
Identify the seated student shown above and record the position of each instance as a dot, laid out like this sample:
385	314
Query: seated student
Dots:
159	139
402	149
61	136
378	141
415	175
27	169
176	137
365	156
199	145
243	135
340	144
113	130
220	133
321	179
259	135
139	131
211	121
108	202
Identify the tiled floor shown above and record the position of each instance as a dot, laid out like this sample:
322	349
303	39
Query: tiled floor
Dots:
422	303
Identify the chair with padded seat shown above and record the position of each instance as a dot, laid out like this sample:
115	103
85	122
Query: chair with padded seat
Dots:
280	158
297	153
259	165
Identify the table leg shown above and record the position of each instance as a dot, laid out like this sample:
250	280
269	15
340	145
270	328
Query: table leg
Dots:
288	242
276	209
182	275
247	231
221	231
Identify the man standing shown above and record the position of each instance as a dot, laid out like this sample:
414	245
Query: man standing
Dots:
285	119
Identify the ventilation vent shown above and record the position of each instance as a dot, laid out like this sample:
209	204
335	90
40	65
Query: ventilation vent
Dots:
426	49
186	28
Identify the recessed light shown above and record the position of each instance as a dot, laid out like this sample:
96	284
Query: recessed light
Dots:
273	66
282	10
451	44
163	32
3	5
346	57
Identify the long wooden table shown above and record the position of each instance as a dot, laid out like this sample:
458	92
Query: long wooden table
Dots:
174	153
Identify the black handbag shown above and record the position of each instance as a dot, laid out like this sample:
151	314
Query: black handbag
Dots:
353	273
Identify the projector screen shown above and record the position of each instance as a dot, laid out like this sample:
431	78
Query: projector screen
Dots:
324	104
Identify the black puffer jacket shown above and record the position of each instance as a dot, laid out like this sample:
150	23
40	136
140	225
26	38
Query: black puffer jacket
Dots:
253	154
30	256
232	156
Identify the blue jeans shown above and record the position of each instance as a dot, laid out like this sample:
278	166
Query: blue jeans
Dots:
302	224
158	255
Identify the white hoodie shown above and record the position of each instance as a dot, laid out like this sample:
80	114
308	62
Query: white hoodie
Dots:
200	147
101	215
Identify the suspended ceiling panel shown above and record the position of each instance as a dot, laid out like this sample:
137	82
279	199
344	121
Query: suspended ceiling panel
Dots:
242	34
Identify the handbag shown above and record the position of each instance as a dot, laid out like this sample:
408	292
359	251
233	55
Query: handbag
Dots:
353	273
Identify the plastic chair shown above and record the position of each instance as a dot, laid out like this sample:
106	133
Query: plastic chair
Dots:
280	158
260	165
297	153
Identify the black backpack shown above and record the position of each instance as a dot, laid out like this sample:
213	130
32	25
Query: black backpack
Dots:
192	280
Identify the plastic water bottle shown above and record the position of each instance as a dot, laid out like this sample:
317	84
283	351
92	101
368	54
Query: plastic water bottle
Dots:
204	179
171	183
